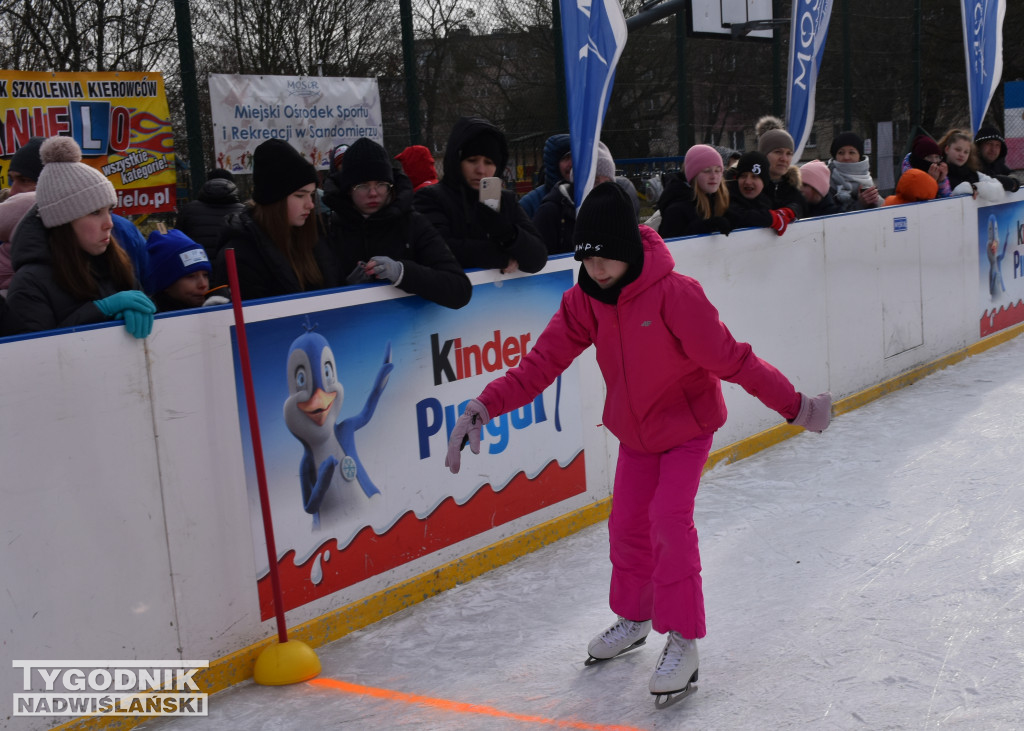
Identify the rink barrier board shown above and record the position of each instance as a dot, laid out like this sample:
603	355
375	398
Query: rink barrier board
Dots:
821	261
237	667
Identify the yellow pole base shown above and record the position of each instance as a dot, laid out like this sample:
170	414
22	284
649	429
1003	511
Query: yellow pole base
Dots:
286	663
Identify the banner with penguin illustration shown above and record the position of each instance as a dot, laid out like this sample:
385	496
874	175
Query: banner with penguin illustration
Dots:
355	408
593	37
1001	266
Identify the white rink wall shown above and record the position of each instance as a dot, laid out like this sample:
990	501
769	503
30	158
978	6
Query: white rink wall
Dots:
126	525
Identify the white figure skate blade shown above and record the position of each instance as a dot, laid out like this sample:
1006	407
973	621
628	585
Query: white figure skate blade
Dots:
664	700
594	660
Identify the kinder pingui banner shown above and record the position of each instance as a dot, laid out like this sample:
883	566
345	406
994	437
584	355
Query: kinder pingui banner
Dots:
312	113
1001	266
120	120
355	408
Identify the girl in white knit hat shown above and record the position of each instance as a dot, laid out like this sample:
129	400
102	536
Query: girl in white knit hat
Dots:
68	270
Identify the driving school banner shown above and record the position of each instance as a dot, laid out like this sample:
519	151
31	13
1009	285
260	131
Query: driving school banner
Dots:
120	120
1001	266
312	113
355	407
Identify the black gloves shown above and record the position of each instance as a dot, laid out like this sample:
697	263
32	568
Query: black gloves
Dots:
717	224
498	230
1010	183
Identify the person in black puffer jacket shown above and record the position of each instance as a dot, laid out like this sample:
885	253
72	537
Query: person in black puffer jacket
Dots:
478	236
749	204
202	219
375	234
696	202
991	150
279	249
68	267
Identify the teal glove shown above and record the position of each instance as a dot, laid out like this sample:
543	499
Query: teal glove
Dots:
132	306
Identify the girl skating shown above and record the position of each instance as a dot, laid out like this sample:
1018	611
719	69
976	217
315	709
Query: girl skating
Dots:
662	351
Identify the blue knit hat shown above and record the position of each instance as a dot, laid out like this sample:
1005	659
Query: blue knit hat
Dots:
172	256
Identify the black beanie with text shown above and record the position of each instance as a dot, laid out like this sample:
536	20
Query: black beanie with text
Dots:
606	226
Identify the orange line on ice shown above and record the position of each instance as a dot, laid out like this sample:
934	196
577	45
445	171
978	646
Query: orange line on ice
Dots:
457	707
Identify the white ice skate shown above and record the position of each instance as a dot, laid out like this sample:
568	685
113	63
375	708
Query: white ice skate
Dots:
623	636
676	673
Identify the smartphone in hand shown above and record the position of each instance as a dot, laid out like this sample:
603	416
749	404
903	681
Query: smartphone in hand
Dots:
490	193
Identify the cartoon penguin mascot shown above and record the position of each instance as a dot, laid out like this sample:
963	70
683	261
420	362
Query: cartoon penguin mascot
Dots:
995	261
314	401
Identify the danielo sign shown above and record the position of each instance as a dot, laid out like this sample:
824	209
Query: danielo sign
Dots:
110	688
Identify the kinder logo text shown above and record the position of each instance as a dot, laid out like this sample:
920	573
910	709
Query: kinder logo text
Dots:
432	417
110	687
455	360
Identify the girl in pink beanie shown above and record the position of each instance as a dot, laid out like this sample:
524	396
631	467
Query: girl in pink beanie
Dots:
696	205
816	185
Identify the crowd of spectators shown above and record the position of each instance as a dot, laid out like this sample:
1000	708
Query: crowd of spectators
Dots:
66	259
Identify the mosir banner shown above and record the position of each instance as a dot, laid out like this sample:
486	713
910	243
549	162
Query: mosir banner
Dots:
314	114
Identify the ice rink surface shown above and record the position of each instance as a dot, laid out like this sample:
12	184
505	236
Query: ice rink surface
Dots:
871	577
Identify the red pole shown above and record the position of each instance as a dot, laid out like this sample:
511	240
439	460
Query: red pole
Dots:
257	445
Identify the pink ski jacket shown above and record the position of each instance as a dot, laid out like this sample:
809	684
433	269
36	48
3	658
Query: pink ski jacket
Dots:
661	350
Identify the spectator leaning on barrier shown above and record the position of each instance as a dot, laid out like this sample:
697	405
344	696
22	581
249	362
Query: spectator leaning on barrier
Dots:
851	174
991	150
696	202
817	184
926	155
775	143
964	179
203	219
26	167
375	234
749	205
68	270
277	241
476	234
179	275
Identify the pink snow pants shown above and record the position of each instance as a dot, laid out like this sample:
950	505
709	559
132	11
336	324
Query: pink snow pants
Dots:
655	559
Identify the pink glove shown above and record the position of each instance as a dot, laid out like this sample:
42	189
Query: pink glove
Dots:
815	413
781	218
466	428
